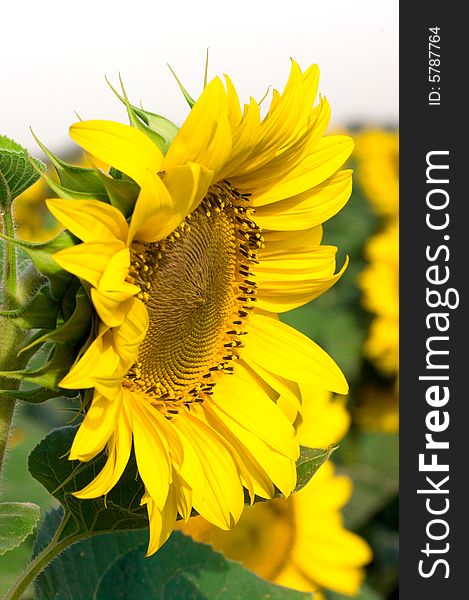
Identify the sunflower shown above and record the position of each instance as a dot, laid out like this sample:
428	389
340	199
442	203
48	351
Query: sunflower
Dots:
300	542
377	155
379	282
189	356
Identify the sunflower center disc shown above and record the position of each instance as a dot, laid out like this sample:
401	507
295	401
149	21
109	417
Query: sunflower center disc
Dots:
197	286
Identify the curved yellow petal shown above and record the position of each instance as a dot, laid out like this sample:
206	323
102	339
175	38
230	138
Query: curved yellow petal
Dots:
119	447
88	260
162	206
328	155
97	427
199	129
89	220
243	399
287	352
309	209
209	468
125	148
161	521
100	360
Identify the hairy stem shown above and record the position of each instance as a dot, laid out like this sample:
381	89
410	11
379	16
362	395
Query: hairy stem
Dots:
40	562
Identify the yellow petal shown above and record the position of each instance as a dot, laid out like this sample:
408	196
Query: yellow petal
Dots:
131	333
151	452
243	399
89	220
187	185
125	148
253	475
97	427
279	468
89	260
199	129
287	352
161	521
234	109
161	208
244	139
119	448
328	155
210	470
309	209
99	360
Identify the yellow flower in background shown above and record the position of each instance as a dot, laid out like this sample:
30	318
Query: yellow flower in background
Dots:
379	282
190	358
378	408
33	221
300	542
377	155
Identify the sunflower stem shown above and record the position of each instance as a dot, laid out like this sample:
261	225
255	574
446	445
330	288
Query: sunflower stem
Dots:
40	562
9	331
9	259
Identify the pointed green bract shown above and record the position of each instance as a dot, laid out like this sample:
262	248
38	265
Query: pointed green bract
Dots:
64	192
190	101
160	130
18	171
41	254
39	313
73	177
122	193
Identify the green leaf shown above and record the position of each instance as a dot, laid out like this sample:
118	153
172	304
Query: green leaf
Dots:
111	567
309	462
73	177
18	171
48	463
17	521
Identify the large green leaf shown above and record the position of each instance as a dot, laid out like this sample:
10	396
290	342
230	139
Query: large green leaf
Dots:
17	521
112	567
18	171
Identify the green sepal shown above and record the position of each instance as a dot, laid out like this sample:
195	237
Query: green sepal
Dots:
122	193
58	348
190	101
58	361
41	255
18	171
155	137
74	328
35	394
164	127
64	192
40	312
159	129
73	177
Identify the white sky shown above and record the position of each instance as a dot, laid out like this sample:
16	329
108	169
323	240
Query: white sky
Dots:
55	54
